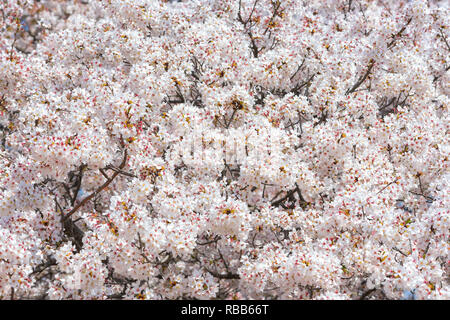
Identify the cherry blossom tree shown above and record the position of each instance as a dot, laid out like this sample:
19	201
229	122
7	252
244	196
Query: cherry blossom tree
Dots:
224	149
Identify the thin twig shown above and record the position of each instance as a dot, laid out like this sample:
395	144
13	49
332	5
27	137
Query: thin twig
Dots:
99	189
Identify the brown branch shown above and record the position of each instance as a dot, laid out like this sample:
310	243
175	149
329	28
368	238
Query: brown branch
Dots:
372	61
299	192
253	46
78	184
99	189
129	174
390	183
367	293
444	38
288	195
399	251
422	195
50	262
227	276
276	7
399	34
231	118
216	238
103	173
363	78
298	69
240	19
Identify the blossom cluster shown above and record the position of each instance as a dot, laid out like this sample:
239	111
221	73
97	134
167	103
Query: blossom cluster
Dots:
224	149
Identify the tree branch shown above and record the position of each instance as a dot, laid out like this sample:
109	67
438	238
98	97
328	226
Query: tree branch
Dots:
99	189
